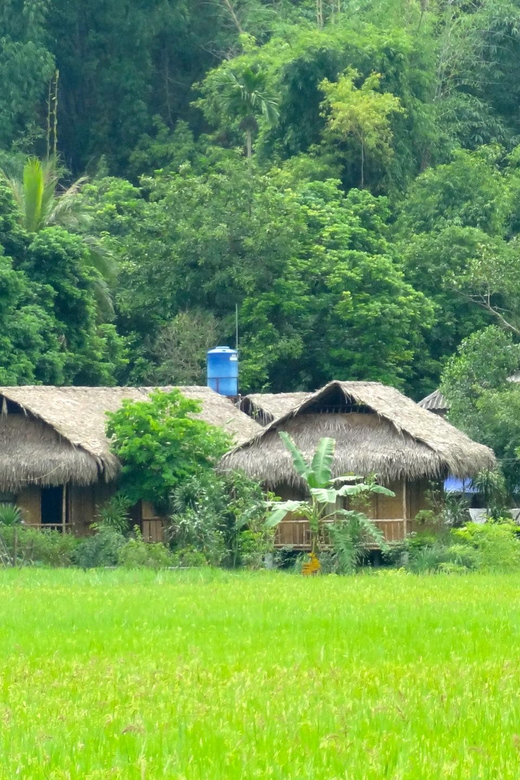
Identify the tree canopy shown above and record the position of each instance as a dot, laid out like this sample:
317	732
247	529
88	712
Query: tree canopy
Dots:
345	174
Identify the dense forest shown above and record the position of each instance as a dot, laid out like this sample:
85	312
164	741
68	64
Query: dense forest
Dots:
345	174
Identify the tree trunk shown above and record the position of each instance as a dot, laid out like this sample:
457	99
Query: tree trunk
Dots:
319	14
249	143
362	181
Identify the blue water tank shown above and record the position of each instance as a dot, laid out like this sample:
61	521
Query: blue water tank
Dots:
223	370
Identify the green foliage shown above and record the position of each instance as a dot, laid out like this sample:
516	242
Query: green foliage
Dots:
180	349
241	96
497	545
344	278
114	514
99	550
161	443
490	547
10	515
415	101
483	402
222	516
21	546
362	113
351	531
40	206
188	558
136	554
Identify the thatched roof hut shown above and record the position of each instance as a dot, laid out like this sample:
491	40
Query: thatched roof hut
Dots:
436	403
56	435
266	407
377	431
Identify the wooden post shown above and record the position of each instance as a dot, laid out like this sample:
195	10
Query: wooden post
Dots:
64	508
405	509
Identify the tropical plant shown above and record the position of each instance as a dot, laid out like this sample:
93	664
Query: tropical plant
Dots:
114	514
245	96
10	514
161	443
22	546
138	554
41	205
362	113
321	509
99	550
221	516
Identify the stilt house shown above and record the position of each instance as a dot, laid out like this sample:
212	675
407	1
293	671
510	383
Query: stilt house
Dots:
378	431
55	458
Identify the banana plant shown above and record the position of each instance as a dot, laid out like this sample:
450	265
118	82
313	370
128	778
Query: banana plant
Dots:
318	476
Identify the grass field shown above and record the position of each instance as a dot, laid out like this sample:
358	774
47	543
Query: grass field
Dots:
219	675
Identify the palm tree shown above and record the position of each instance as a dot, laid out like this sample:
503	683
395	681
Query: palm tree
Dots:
246	97
41	204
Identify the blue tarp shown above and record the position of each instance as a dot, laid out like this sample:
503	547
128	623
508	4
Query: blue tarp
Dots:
454	485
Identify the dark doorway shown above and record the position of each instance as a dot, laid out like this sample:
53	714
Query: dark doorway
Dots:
52	506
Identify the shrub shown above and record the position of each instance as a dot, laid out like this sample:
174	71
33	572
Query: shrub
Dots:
197	522
161	443
136	554
253	546
187	557
114	514
222	516
99	550
428	559
496	544
30	546
10	514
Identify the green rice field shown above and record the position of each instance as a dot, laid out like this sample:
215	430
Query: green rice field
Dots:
205	675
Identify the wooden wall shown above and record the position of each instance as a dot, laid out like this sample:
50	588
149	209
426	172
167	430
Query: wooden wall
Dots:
29	501
82	504
394	515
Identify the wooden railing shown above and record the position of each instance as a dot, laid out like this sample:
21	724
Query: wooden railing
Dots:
295	532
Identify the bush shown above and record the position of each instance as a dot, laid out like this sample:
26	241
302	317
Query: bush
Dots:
223	517
253	546
114	514
10	514
161	443
99	550
34	547
427	559
496	545
187	557
492	547
136	554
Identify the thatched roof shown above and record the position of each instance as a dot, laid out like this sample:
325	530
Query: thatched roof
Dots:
435	402
266	407
60	434
377	431
438	403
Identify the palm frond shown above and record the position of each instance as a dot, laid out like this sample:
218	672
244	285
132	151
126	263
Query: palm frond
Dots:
282	510
322	460
33	194
101	258
324	495
299	462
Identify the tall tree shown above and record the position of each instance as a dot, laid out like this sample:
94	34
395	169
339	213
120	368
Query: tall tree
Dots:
362	113
242	97
41	205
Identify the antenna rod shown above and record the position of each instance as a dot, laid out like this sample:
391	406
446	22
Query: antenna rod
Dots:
236	327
